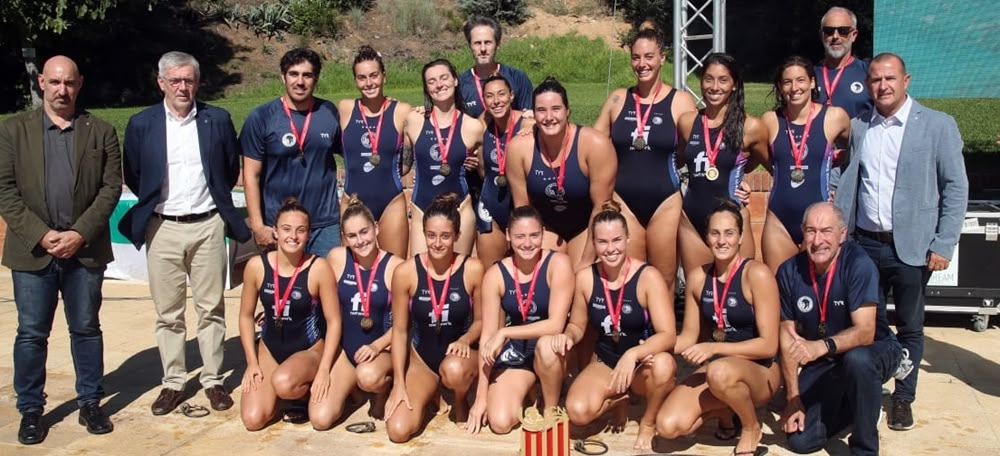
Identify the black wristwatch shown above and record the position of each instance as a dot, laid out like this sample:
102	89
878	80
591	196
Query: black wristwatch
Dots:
831	346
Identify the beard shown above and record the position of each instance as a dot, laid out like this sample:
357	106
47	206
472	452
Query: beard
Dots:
845	48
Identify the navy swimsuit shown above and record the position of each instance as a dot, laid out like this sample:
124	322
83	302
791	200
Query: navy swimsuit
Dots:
566	212
520	354
302	322
352	311
455	318
428	181
789	200
702	194
634	325
376	186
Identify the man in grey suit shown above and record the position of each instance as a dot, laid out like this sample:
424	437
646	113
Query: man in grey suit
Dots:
905	191
60	179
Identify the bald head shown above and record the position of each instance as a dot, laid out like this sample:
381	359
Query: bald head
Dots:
60	82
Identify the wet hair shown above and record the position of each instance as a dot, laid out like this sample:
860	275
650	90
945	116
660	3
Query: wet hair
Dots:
793	61
550	84
292	204
445	205
732	124
476	21
428	104
726	206
174	59
648	31
367	53
525	212
356	208
887	56
299	55
611	211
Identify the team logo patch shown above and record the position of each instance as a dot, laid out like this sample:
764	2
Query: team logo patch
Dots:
493	155
296	294
626	309
366	140
857	87
511	357
731	302
434	153
454	296
484	214
805	304
374	287
367	167
437	179
288	140
553	192
657	120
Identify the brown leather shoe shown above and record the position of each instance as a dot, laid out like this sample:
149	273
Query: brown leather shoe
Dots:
218	398
167	401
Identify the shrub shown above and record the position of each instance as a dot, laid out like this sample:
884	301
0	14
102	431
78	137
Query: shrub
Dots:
419	17
315	17
513	12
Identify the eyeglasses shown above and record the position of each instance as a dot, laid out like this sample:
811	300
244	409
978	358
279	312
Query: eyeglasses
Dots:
843	30
176	82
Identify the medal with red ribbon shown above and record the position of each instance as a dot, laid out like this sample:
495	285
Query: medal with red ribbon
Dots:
479	84
561	175
712	153
524	304
615	308
374	158
640	119
437	305
830	271
281	300
502	149
719	334
799	150
300	139
366	294
443	146
831	86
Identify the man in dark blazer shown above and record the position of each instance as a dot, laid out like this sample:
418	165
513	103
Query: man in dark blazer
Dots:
60	179
182	160
905	193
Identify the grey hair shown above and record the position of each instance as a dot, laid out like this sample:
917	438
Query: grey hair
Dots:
839	9
837	213
174	59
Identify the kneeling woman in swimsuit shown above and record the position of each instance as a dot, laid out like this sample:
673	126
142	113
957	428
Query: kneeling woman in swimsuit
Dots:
301	330
564	170
529	291
626	304
437	292
736	372
363	272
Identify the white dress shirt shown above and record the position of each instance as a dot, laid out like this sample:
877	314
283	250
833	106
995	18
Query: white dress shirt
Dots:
185	190
879	157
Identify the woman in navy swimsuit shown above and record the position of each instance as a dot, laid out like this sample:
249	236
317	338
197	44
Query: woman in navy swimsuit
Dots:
442	138
565	171
802	155
717	145
372	127
525	297
363	272
732	340
301	327
436	294
648	183
623	302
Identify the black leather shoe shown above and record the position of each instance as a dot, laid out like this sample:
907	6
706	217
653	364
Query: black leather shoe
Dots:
167	401
94	419
32	430
218	398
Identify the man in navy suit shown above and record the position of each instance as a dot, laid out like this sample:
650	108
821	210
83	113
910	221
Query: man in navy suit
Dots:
182	159
905	192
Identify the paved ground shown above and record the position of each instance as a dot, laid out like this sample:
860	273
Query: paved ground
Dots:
957	412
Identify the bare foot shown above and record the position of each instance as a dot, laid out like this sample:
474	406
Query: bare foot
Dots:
618	417
644	439
750	438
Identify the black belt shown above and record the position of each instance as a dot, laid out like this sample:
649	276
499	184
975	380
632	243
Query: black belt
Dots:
881	236
190	218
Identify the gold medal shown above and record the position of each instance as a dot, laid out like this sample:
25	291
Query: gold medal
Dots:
712	173
616	335
639	144
367	323
719	335
798	175
501	181
374	159
445	169
821	330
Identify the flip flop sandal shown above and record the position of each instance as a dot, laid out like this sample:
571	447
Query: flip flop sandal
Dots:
760	451
362	427
580	446
729	433
296	416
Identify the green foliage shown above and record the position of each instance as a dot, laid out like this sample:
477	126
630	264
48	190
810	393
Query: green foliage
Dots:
416	17
315	17
32	17
513	12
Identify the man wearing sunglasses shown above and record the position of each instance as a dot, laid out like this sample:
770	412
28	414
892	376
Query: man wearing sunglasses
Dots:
841	76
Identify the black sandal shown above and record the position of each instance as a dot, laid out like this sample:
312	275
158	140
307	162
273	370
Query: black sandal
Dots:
729	433
296	415
760	451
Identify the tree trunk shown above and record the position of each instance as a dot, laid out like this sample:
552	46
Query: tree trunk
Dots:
31	69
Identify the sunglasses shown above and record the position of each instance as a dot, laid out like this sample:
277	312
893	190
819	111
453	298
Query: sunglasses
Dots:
843	30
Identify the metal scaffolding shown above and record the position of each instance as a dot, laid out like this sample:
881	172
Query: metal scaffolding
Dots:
692	25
